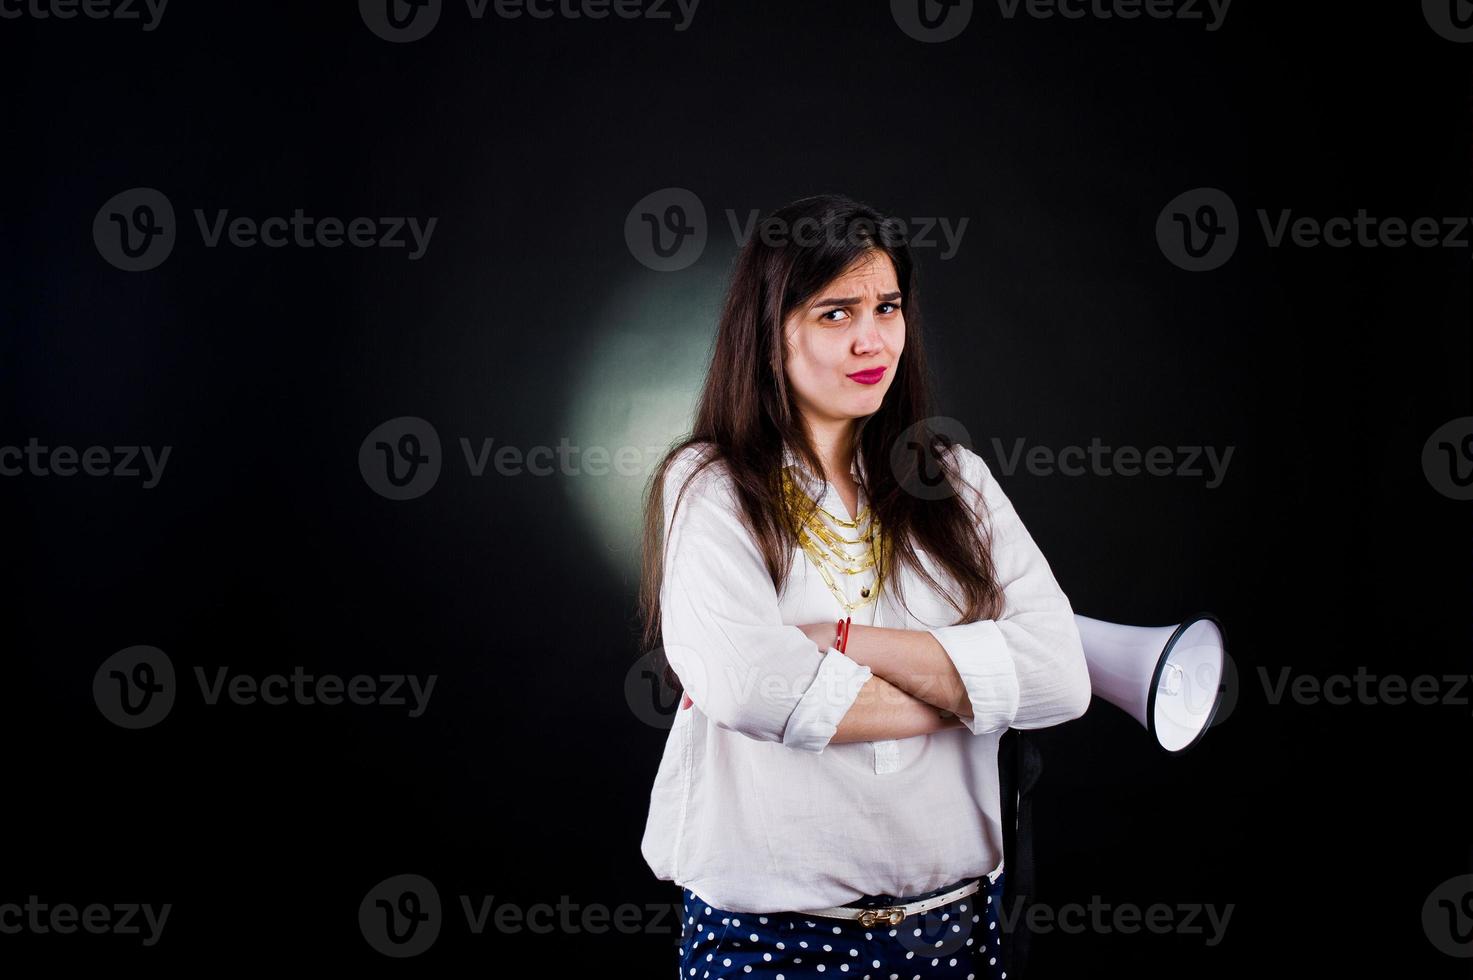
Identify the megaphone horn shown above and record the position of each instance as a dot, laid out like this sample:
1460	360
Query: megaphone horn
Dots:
1168	678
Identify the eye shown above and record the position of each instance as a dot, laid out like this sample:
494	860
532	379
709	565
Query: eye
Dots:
825	316
894	307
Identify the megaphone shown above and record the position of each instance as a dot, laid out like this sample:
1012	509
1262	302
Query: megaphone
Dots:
1168	678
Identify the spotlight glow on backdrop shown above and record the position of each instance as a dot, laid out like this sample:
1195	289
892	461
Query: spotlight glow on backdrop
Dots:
635	383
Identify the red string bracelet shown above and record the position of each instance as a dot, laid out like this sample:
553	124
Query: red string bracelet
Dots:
841	634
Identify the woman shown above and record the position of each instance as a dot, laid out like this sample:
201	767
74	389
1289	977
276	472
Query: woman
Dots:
829	803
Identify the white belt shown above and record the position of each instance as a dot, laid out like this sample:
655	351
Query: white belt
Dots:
896	914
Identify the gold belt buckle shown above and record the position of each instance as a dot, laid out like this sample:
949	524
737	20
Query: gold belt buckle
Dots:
869	917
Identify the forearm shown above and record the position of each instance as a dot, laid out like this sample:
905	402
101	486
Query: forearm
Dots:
884	711
912	661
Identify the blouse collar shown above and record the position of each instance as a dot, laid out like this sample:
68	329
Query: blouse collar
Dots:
790	459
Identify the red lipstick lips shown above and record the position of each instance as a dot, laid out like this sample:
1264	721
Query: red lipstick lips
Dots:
872	376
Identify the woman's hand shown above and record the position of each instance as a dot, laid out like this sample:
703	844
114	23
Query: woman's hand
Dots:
822	635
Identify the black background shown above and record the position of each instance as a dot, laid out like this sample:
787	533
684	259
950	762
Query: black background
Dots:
1058	321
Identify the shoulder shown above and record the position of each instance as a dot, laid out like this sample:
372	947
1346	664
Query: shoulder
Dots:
969	466
697	472
978	483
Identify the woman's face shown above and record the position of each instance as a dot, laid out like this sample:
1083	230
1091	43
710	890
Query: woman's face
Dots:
854	324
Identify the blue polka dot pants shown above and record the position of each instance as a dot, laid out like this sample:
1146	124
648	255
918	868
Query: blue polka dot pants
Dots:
960	940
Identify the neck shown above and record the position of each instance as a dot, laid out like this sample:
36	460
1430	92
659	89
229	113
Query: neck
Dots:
834	443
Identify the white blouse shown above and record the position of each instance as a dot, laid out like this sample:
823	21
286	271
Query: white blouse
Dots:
753	808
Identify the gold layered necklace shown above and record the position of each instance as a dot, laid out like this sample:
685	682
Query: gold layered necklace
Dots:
825	546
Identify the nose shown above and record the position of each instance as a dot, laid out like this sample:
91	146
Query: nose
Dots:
868	339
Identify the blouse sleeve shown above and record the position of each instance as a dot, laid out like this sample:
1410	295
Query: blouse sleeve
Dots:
723	631
1025	669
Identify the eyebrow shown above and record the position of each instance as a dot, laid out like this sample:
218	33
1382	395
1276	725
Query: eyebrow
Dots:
851	300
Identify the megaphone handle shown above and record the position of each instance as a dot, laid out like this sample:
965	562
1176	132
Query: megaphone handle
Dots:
1019	765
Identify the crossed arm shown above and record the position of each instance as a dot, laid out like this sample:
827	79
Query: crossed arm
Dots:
915	689
750	673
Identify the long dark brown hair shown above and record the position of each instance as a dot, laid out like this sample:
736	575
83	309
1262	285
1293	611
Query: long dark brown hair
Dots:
746	414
